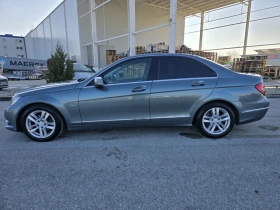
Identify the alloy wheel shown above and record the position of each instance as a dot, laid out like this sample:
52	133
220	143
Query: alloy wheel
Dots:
216	121
40	124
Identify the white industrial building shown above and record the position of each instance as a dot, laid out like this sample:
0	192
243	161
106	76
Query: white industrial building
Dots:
12	46
87	28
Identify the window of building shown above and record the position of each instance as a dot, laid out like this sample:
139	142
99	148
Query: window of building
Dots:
19	56
21	48
22	56
129	71
177	68
5	47
17	48
20	40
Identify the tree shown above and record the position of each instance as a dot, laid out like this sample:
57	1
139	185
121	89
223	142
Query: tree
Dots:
69	72
60	68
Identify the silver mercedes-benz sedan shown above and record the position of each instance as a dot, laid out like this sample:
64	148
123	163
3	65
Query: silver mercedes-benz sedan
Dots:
146	90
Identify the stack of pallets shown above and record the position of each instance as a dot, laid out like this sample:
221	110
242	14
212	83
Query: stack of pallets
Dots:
209	55
186	50
224	59
272	72
255	64
121	55
140	50
110	56
157	48
238	64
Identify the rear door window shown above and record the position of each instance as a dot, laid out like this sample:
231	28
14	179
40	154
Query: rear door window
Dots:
179	67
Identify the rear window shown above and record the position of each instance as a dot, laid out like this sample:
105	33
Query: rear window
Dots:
180	67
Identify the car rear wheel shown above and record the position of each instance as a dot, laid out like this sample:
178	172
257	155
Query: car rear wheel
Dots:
215	120
42	123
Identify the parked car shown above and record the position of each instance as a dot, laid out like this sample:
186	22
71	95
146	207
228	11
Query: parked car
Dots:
82	71
144	90
91	68
3	82
13	78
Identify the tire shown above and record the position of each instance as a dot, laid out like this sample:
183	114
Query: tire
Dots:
0	89
223	122
42	130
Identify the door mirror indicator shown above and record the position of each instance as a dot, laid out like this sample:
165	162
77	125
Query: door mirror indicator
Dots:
98	82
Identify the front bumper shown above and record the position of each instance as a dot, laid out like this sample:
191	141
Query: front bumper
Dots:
10	116
10	127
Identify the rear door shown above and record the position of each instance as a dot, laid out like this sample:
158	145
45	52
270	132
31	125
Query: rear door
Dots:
181	84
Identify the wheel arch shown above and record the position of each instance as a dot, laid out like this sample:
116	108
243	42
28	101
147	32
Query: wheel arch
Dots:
231	105
32	104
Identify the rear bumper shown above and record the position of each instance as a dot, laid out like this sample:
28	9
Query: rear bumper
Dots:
252	115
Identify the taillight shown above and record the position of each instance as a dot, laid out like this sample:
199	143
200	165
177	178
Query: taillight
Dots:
261	88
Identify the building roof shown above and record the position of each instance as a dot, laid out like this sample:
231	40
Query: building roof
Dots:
191	7
268	51
11	36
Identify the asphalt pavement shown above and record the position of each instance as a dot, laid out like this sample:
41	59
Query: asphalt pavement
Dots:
147	168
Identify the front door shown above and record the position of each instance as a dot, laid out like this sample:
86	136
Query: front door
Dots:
124	98
182	83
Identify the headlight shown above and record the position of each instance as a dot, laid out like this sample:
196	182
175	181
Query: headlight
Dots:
14	99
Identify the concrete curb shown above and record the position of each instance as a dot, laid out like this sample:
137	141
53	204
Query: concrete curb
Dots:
273	96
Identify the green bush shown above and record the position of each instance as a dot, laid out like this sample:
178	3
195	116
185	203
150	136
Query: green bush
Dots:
60	68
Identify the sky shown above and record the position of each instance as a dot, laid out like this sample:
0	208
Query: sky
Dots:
260	32
18	17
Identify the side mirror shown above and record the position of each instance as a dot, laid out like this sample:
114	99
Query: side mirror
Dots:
98	82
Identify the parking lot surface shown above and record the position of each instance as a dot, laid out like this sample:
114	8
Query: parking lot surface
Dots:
147	168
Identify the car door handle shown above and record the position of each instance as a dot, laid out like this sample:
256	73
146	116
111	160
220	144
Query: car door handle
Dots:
139	89
200	83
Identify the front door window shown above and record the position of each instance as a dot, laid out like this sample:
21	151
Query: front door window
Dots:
136	70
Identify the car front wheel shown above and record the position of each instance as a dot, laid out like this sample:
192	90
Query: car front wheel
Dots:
42	123
215	120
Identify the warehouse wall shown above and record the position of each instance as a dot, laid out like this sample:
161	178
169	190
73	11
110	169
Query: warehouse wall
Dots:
29	45
112	20
84	29
41	41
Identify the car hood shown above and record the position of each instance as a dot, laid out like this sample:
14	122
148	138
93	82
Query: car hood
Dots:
2	78
54	87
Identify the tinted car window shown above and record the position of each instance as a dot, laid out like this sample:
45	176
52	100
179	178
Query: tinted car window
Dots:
128	71
201	70
176	68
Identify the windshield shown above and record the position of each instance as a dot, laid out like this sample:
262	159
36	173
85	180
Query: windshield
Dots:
81	67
